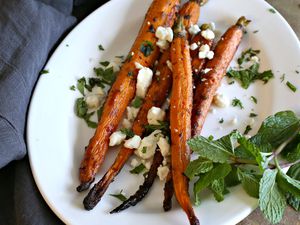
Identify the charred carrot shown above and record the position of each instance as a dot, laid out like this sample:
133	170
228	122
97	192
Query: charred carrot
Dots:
199	40
156	95
145	187
168	192
206	89
145	52
180	117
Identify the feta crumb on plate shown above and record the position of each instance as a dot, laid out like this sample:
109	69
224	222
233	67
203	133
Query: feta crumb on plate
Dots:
155	115
133	143
116	138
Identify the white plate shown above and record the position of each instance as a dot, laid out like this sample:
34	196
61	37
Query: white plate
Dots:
56	138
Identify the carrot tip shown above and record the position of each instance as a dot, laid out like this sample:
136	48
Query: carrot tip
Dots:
84	186
243	22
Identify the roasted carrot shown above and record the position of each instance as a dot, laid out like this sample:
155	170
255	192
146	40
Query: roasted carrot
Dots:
206	89
143	51
145	187
156	95
190	12
168	192
180	117
197	63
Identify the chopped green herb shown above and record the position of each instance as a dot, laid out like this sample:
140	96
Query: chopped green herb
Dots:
81	84
128	132
119	196
138	169
81	107
210	138
282	78
91	124
105	63
72	88
237	103
99	113
253	115
100	47
221	120
231	82
120	56
256	31
163	126
248	129
253	99
44	72
144	149
271	10
147	48
137	102
67	45
129	56
297	72
130	74
247	55
107	76
291	86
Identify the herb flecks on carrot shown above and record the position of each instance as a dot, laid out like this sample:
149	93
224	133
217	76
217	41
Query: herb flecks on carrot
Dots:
206	89
180	117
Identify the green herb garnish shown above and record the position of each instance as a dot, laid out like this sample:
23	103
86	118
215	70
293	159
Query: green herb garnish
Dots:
128	132
105	63
73	88
81	84
282	78
237	103
163	126
253	115
234	159
44	72
137	102
144	149
100	47
247	129
221	120
138	169
119	196
147	48
253	99
271	10
291	86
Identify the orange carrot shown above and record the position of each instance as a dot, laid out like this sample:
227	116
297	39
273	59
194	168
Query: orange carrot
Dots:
180	118
160	13
205	90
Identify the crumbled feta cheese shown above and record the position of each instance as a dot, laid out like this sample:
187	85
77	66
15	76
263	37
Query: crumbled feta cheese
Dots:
207	70
148	23
162	172
204	52
194	29
116	138
147	163
144	80
133	143
148	145
193	46
92	101
208	34
132	113
134	163
154	115
126	123
161	33
234	121
166	161
157	73
210	55
162	44
221	101
164	146
169	64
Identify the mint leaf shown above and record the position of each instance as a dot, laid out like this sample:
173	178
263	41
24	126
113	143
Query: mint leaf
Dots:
81	107
294	172
275	130
218	172
232	178
105	63
250	182
254	151
138	169
271	200
291	152
229	141
288	184
237	103
218	189
197	167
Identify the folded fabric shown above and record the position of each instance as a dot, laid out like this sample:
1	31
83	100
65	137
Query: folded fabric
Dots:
29	29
